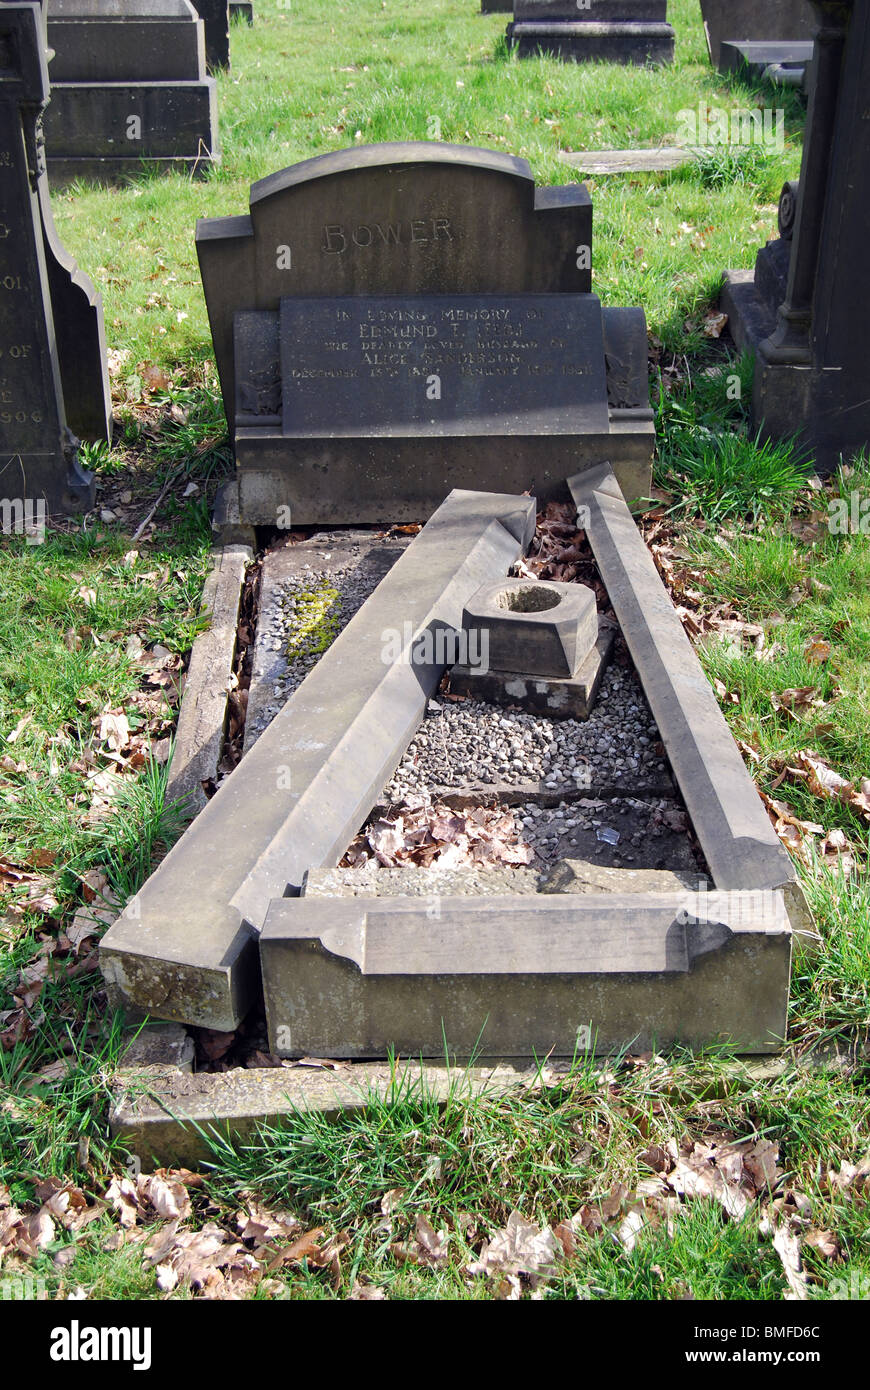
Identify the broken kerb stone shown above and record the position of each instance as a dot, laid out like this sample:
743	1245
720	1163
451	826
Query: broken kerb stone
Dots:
535	626
740	845
522	976
183	948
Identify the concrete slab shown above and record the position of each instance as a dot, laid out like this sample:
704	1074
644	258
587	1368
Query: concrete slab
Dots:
371	880
202	717
183	949
658	161
166	1119
516	976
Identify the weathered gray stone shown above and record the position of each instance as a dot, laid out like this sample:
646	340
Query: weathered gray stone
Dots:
579	876
568	698
171	1121
53	370
655	161
785	63
747	19
520	976
408	339
538	627
202	718
739	843
182	949
129	85
371	880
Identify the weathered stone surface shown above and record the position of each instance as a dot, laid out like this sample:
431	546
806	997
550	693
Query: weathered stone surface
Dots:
739	843
371	880
523	976
51	316
592	11
129	85
653	161
747	19
538	627
496	375
182	949
171	1121
202	717
567	698
579	876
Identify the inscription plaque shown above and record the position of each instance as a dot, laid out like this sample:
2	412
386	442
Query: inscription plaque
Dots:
472	365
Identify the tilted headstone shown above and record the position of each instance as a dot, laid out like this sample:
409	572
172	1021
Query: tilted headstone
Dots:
52	350
582	31
802	309
773	21
129	87
395	321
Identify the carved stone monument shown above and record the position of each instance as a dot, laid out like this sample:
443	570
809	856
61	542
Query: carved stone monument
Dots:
53	381
395	321
801	308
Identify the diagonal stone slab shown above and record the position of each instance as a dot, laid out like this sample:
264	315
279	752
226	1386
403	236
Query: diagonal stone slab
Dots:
355	977
184	947
739	843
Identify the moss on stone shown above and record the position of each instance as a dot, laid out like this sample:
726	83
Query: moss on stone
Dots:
314	626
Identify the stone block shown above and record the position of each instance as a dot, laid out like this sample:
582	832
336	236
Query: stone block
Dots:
184	947
593	42
202	718
747	19
521	976
567	698
579	876
535	626
371	880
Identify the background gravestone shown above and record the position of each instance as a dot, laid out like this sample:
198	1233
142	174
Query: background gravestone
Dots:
129	86
490	365
582	31
801	309
52	358
215	15
774	21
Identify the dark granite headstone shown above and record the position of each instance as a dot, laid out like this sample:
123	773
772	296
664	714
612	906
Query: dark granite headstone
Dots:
52	351
242	10
762	20
129	88
394	321
582	31
802	310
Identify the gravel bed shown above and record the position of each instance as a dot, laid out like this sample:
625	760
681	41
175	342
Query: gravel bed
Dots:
467	742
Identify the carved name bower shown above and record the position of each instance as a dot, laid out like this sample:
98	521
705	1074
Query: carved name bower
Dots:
337	238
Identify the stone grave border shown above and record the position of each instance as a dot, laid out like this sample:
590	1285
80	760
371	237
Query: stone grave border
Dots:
750	868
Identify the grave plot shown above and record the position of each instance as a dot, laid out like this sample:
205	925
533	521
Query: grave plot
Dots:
129	85
610	31
53	362
394	321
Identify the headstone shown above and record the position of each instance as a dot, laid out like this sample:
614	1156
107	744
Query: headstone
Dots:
785	62
129	89
395	321
496	6
582	31
242	10
801	309
771	21
52	360
215	15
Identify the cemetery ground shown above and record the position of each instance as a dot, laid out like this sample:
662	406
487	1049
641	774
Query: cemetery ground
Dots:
633	1177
